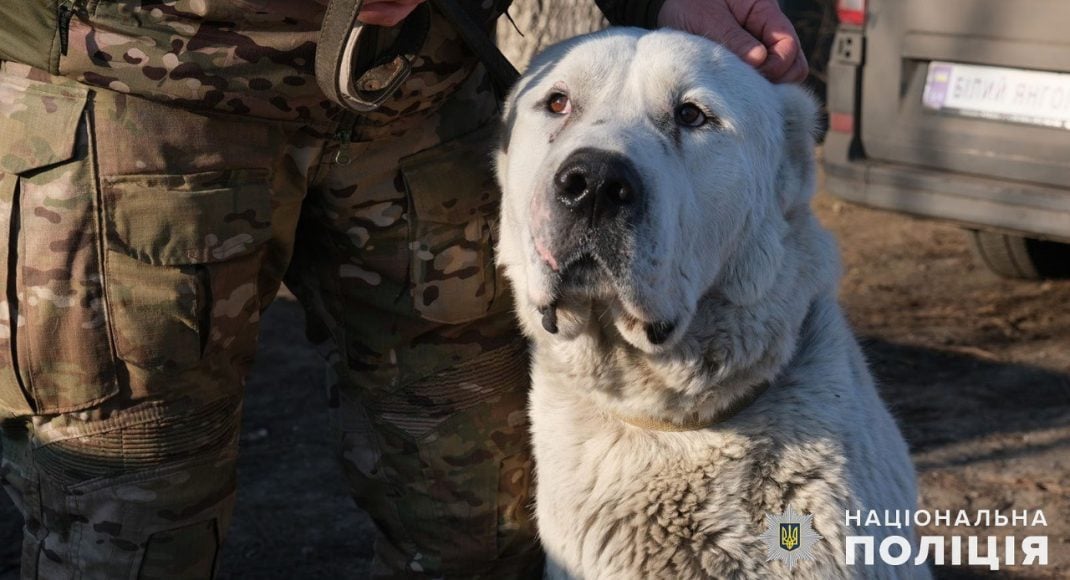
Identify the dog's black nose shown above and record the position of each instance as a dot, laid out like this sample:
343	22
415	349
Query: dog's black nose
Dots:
597	183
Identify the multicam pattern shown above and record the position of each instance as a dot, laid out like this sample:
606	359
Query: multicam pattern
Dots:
434	407
63	361
161	514
441	266
150	239
120	412
248	58
209	54
445	439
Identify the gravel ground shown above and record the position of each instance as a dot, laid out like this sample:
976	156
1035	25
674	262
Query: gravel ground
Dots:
976	369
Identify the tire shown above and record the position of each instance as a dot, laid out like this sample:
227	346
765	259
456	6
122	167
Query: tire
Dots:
1017	257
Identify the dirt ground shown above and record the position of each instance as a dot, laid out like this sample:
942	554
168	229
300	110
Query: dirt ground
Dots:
976	369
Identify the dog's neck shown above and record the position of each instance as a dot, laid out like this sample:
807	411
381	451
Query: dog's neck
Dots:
728	353
706	379
695	423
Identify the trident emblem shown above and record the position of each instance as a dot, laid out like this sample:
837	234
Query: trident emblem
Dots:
789	536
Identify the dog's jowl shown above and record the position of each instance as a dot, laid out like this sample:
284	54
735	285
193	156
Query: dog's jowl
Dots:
700	407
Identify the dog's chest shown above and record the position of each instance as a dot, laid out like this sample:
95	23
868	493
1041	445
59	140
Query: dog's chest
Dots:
630	505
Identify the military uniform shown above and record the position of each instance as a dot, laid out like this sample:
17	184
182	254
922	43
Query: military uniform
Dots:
164	166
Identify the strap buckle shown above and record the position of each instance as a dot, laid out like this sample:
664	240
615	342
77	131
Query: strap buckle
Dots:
347	67
366	88
367	91
342	45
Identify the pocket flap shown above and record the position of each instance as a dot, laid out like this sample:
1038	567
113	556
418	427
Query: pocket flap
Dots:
195	218
437	175
38	123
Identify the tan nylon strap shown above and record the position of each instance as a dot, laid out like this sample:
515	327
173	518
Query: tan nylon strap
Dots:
339	40
696	424
339	21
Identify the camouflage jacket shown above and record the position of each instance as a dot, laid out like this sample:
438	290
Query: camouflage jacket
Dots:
248	57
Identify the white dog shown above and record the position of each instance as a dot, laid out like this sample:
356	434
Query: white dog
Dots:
693	372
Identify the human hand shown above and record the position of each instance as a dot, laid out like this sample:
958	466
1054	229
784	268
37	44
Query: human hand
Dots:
386	12
755	30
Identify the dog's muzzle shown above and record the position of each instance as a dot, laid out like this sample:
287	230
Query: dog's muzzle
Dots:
589	212
597	186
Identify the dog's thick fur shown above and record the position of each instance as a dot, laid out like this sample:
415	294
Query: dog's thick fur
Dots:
724	256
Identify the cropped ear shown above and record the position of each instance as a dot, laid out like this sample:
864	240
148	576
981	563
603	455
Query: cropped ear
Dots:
796	174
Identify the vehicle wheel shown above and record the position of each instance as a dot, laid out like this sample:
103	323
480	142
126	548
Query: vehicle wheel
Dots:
1023	258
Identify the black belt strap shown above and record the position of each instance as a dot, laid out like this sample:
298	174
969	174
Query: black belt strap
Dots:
502	72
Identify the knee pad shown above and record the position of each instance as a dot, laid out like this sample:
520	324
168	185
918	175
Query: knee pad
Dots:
148	489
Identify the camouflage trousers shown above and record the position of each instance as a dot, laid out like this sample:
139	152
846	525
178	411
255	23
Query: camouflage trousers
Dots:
143	241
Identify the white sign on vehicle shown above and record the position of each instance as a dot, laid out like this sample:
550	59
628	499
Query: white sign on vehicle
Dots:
1004	94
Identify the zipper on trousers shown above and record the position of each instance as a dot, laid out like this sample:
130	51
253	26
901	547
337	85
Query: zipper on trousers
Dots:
343	135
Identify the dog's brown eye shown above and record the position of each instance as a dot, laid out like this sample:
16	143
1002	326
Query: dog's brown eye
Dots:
690	115
558	103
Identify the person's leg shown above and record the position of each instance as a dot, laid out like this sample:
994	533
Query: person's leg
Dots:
394	264
139	244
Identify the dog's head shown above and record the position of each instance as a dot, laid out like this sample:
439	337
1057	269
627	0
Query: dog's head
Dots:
642	173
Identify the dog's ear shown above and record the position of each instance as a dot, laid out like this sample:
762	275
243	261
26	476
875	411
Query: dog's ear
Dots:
797	173
749	275
748	278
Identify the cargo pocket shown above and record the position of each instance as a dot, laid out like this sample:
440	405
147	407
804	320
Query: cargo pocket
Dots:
55	354
12	398
184	253
186	552
453	201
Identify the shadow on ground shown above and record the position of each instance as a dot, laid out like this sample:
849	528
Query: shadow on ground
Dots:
945	398
984	435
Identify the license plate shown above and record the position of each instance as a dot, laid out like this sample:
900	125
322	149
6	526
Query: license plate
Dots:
1002	94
